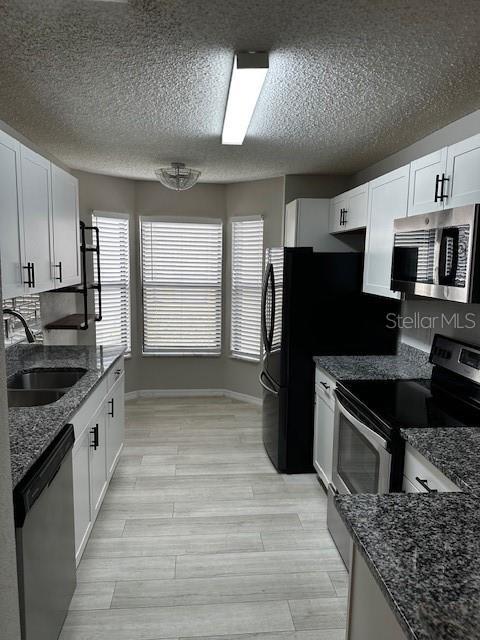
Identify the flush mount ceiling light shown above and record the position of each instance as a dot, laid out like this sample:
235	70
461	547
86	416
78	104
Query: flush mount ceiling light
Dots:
248	75
177	177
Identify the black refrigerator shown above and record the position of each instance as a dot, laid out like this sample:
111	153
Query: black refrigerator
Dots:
312	304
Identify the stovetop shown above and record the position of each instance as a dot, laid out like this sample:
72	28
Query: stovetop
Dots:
410	403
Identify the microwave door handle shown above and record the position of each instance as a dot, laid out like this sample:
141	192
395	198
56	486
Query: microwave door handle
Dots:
448	278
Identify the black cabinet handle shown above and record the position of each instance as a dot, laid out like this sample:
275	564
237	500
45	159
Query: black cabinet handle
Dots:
59	267
111	413
325	385
443	196
94	433
424	484
28	269
33	274
345	211
437	182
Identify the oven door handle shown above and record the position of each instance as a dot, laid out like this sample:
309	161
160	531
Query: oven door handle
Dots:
374	438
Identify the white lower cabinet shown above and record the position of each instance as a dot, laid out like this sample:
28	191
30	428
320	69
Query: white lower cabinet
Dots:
323	426
98	444
81	490
421	476
115	422
98	458
369	614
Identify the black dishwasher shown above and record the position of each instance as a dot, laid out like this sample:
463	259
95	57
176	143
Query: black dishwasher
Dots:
45	539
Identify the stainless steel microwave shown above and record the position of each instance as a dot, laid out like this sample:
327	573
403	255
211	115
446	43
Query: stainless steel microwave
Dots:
437	255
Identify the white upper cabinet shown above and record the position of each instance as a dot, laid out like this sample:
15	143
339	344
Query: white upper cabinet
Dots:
446	178
337	207
36	207
11	221
348	211
66	241
426	175
387	200
463	173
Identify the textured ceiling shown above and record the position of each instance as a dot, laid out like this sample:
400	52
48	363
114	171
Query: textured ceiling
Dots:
121	88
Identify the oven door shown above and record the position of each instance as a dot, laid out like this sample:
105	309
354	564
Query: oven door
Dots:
361	460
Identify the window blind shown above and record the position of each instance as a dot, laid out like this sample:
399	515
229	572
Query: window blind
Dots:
182	286
114	328
247	275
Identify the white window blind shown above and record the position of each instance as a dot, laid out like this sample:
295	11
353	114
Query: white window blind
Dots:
114	328
182	286
247	274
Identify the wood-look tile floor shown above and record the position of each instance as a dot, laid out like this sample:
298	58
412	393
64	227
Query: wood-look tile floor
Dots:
200	537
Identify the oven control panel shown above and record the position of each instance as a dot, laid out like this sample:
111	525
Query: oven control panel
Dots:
459	357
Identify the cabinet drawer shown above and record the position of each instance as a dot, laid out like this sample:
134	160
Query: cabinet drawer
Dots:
325	386
115	373
419	468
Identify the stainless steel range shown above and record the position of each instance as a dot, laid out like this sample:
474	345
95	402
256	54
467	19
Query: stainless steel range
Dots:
368	448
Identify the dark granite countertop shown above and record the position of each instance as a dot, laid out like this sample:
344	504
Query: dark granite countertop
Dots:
32	429
407	363
454	451
424	552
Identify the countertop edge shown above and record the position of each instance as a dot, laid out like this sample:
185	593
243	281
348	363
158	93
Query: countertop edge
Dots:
377	576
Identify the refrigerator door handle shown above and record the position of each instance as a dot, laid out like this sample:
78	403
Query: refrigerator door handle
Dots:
272	315
266	386
266	343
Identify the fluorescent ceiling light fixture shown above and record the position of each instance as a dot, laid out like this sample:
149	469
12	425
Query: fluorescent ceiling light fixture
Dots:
248	75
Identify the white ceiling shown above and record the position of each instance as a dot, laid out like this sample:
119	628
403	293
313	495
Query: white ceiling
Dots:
121	88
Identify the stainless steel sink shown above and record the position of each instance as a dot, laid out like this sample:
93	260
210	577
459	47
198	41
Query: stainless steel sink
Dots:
48	379
33	397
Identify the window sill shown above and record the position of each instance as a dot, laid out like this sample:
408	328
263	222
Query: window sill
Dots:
180	355
251	359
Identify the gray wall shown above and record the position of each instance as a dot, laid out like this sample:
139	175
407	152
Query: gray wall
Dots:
314	186
437	313
262	197
453	132
8	569
154	372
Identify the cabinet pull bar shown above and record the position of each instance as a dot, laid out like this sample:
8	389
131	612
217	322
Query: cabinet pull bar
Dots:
59	267
424	484
27	269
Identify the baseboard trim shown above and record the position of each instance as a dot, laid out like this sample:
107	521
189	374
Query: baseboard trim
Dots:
179	393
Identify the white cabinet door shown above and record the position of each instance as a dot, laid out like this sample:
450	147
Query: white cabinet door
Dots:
337	208
81	491
36	205
11	222
355	216
463	172
98	459
323	440
348	211
424	187
65	215
290	229
387	200
115	423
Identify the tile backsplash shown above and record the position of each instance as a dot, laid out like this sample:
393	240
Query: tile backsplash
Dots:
422	319
29	307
